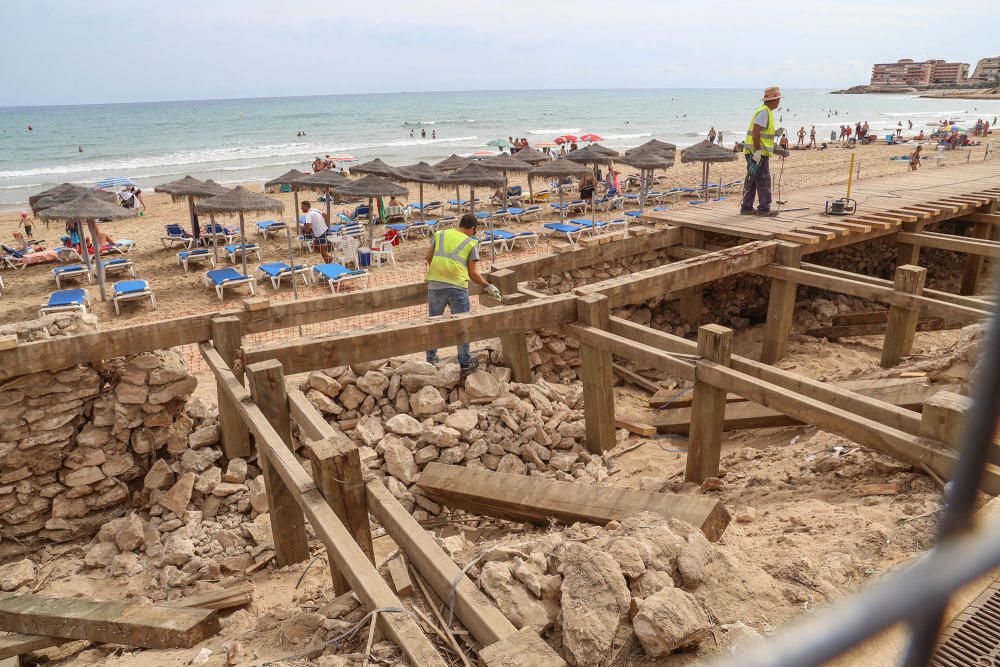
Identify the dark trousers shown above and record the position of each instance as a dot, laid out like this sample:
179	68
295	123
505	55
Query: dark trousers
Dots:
762	186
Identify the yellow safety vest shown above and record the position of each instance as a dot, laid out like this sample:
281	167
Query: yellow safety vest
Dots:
450	263
766	134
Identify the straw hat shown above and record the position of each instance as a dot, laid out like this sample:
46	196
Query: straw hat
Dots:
772	93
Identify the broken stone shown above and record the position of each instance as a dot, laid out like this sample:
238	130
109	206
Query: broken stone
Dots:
130	533
178	550
400	464
177	498
208	480
374	383
369	430
236	471
462	421
669	620
351	397
198	460
481	384
324	383
205	436
100	554
160	476
515	600
595	601
404	425
16	574
427	401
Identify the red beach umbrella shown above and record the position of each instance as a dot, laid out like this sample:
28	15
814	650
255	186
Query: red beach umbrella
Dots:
591	137
566	139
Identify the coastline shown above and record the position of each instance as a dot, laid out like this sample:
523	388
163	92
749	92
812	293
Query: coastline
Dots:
925	93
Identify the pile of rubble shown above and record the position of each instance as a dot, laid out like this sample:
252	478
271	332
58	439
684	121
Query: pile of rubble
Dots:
406	414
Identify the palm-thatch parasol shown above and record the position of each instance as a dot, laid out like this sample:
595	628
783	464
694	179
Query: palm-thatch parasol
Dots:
593	154
371	187
646	162
189	188
240	201
707	152
654	145
420	173
453	163
506	162
322	181
531	156
61	194
476	174
285	179
560	168
91	207
374	167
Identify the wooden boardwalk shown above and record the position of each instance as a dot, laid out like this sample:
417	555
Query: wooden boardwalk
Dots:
888	204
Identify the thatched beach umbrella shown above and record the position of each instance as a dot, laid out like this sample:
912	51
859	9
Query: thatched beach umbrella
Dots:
61	194
453	163
560	169
707	152
506	163
285	179
90	207
531	156
374	167
189	188
594	154
322	181
646	162
371	187
240	201
476	175
422	174
655	146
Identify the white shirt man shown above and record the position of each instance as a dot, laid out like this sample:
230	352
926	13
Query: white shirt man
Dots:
316	223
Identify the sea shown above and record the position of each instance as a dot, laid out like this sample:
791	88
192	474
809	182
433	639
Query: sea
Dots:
252	140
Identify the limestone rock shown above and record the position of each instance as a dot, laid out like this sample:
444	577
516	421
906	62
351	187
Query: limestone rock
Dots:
198	460
400	464
404	425
100	554
324	383
16	574
369	430
425	455
259	531
515	600
669	620
177	498
236	471
178	551
130	534
208	480
168	392
481	384
374	383
258	494
83	476
351	397
427	401
462	421
206	436
595	600
512	465
693	558
160	476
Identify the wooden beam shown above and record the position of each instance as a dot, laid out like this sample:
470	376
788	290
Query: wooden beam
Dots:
538	501
708	408
780	306
304	354
336	467
974	262
691	298
362	576
128	623
477	613
988	218
288	524
901	324
955	243
227	339
876	329
681	367
944	417
400	576
635	378
515	345
522	648
598	385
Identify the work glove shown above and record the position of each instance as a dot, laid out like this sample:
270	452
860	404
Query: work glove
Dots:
756	156
493	291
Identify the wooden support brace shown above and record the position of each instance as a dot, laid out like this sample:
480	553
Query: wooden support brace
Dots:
515	345
780	306
226	337
598	383
288	524
943	417
691	298
336	466
902	321
708	408
909	252
974	263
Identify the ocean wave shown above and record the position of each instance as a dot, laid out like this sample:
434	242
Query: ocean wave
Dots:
556	133
214	156
420	123
25	185
939	114
609	137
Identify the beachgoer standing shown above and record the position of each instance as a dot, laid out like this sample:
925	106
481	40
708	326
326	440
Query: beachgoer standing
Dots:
802	137
758	147
711	135
452	260
434	134
315	224
812	137
28	225
718	138
915	159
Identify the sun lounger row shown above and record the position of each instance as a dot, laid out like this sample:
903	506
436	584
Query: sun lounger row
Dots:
68	300
577	227
111	267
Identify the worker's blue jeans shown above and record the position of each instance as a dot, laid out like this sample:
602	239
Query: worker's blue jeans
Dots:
762	187
457	300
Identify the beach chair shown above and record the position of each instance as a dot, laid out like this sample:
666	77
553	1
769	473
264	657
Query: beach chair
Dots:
591	225
428	207
267	228
61	273
541	196
186	257
12	257
458	204
520	214
611	200
382	252
66	300
636	214
176	234
500	217
345	249
117	266
275	271
529	238
217	231
121	247
228	278
576	206
238	250
498	237
571	232
618	225
337	275
131	290
445	222
67	254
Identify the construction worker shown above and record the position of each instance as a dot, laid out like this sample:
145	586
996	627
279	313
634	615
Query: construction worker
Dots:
452	260
758	149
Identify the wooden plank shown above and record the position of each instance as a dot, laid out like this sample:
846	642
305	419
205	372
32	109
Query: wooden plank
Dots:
901	323
128	623
598	385
780	307
647	356
691	298
539	501
944	417
400	576
515	345
310	353
636	427
708	407
635	378
364	579
987	218
875	328
521	649
472	607
288	523
974	263
948	242
227	339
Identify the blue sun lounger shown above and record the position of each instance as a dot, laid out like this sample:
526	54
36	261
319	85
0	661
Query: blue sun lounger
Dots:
185	257
336	275
572	232
278	270
520	214
239	249
506	240
60	273
592	225
120	265
267	228
636	214
131	290
62	301
227	278
176	234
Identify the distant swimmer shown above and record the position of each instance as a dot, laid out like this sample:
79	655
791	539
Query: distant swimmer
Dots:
434	134
79	149
29	128
423	133
411	134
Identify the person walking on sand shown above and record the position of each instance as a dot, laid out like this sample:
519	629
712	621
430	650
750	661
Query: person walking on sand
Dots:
28	224
802	137
915	159
452	260
758	147
812	137
711	135
718	138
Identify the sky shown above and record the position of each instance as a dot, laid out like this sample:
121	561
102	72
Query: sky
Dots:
76	52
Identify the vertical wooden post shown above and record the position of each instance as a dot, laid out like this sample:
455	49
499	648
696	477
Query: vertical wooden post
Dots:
780	306
974	263
902	322
598	383
288	524
943	417
909	253
690	304
336	467
226	338
708	408
515	346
